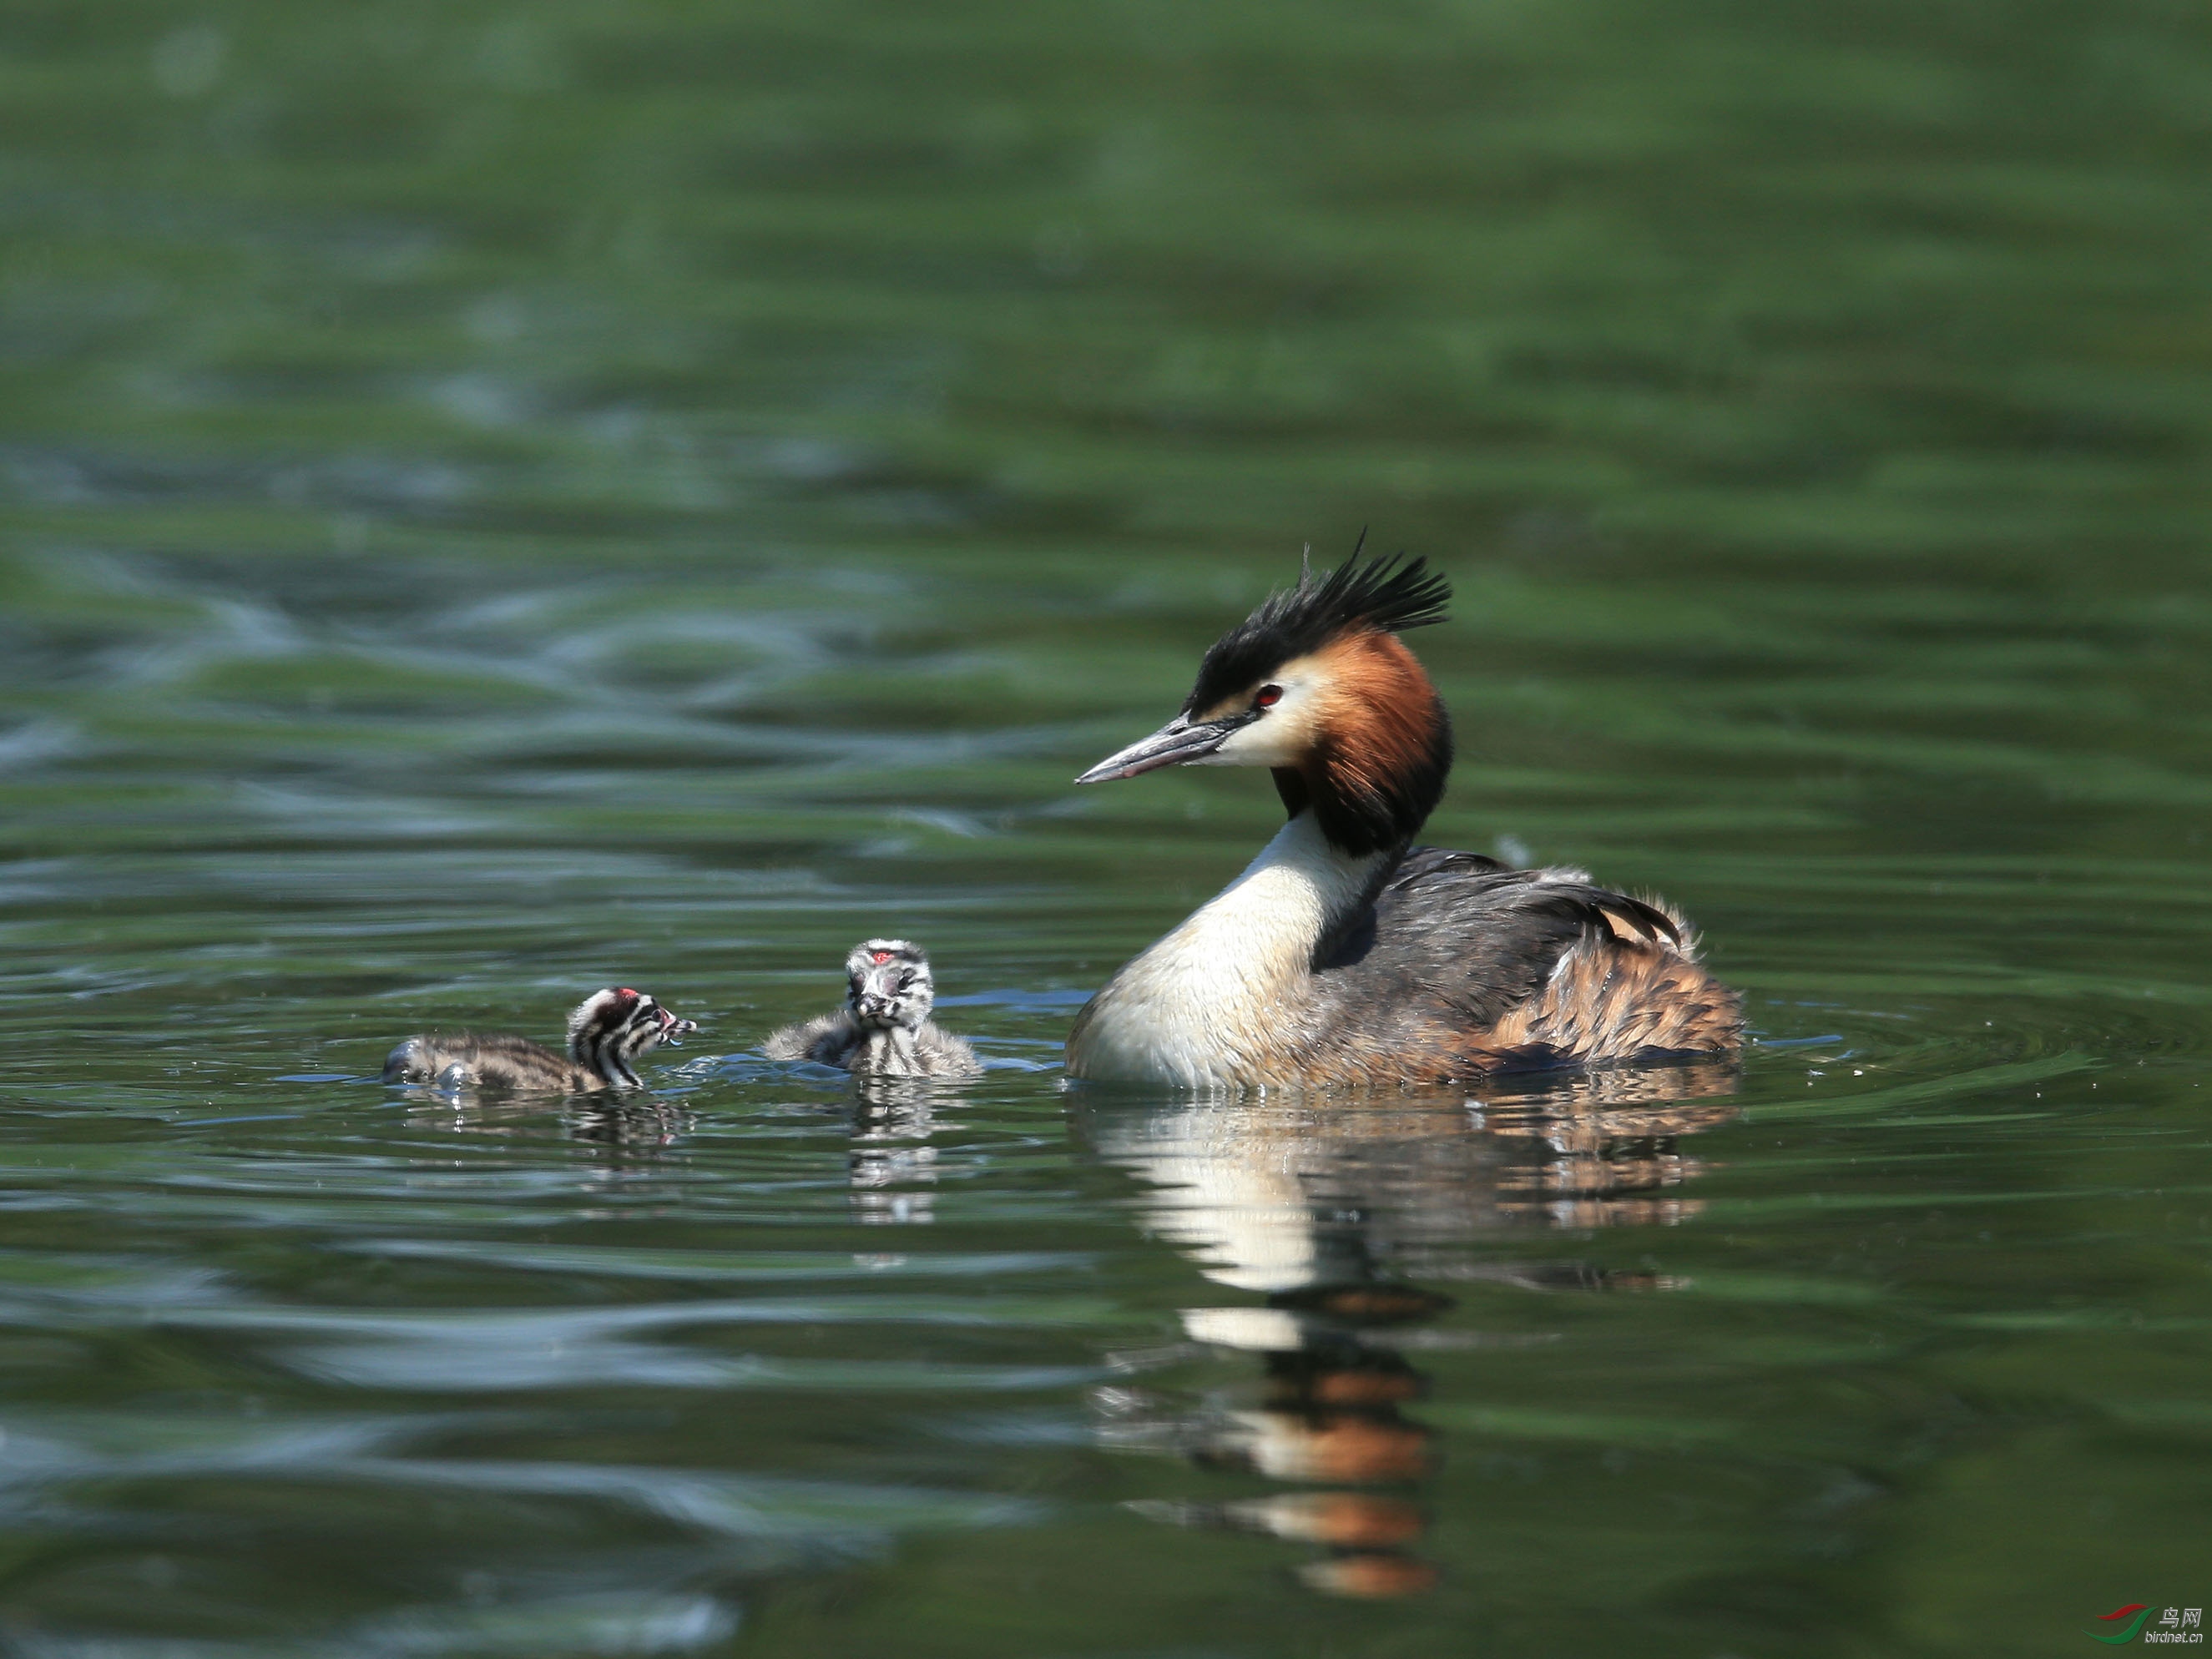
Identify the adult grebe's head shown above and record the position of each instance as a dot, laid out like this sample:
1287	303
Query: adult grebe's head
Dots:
1316	686
610	1029
887	984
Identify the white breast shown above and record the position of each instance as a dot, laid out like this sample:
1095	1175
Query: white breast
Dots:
1217	996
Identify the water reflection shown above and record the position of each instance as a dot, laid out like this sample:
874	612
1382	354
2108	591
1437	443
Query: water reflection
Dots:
892	1168
636	1122
1334	1212
631	1121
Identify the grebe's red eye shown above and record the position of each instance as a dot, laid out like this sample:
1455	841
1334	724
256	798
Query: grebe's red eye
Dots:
1268	696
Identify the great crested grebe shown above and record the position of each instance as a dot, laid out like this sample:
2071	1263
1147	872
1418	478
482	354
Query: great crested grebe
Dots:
610	1031
883	1029
1344	956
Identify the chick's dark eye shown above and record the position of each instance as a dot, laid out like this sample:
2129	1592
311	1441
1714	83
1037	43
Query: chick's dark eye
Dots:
1268	697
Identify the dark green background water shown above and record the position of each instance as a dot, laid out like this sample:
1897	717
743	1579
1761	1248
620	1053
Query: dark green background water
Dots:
500	499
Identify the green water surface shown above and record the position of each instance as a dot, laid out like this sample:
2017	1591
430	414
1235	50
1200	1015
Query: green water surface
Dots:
497	500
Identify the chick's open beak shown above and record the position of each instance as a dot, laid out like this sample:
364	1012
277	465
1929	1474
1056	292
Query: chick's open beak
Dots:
672	1030
1179	742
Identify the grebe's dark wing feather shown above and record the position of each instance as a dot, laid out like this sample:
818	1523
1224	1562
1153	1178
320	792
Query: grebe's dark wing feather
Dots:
1462	932
1427	873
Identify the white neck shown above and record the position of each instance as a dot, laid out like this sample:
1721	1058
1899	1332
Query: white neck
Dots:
1217	999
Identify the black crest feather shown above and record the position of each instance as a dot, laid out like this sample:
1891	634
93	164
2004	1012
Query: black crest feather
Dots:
1388	595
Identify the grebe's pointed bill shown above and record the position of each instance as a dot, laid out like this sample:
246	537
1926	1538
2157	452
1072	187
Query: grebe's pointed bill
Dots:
1178	743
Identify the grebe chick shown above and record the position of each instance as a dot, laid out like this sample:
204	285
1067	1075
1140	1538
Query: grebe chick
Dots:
610	1031
883	1029
1345	956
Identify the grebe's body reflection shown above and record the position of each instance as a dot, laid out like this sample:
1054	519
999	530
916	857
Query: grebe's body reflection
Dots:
640	1123
633	1121
1334	1212
892	1168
